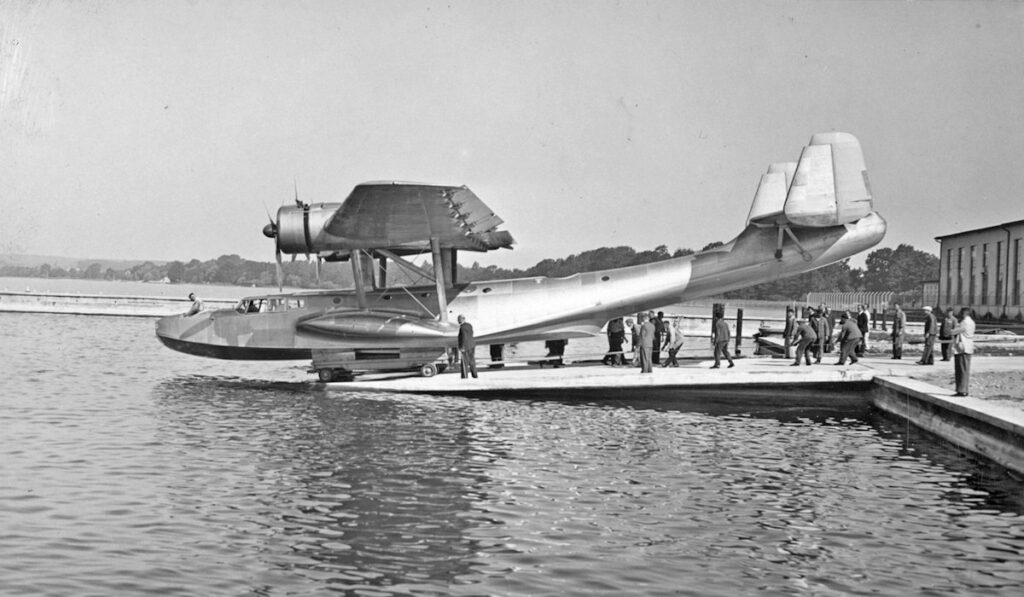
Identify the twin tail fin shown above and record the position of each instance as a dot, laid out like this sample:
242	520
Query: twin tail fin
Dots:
828	186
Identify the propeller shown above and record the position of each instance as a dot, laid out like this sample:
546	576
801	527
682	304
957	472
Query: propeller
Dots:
270	231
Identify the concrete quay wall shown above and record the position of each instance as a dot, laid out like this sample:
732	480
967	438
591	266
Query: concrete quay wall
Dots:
995	432
99	304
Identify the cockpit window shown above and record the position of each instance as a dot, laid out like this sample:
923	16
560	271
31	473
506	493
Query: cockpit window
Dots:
268	305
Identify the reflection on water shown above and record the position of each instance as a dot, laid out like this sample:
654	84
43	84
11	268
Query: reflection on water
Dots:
178	476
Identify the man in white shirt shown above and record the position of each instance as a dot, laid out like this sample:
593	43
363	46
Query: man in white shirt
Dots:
963	348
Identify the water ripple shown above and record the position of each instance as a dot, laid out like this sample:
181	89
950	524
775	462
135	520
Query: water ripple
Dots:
129	469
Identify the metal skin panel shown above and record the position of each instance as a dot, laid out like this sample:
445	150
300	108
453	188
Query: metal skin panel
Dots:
770	197
540	308
812	199
787	168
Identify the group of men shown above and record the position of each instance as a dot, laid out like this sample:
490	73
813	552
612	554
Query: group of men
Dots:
815	335
650	335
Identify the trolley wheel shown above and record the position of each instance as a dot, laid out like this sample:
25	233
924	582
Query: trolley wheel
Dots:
428	370
329	375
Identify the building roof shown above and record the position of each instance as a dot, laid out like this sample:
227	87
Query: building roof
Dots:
985	229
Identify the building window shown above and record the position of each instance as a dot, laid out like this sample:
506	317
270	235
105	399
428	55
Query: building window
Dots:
1016	271
970	276
999	274
960	275
949	276
984	274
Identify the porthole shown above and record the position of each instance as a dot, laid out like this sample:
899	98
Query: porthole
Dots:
337	300
486	290
425	294
386	297
605	278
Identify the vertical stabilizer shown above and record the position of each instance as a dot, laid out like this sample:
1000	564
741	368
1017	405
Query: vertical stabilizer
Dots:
830	185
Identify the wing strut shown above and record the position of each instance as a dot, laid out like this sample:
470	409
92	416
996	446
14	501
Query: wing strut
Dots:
789	231
439	279
357	273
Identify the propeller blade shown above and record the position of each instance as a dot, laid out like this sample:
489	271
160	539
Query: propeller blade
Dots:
279	271
318	271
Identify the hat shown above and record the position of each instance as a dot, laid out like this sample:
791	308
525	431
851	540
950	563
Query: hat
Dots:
927	308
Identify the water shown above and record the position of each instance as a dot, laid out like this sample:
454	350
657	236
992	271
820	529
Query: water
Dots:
129	469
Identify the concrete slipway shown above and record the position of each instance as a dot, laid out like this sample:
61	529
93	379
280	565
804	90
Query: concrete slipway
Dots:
993	430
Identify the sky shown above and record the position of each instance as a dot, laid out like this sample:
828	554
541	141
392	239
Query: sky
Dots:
132	129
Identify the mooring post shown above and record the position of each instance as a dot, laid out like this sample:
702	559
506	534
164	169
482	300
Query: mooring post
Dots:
739	330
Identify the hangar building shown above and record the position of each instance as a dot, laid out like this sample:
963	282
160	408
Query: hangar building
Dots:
982	269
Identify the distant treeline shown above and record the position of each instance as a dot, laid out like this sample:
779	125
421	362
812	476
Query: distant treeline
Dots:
902	269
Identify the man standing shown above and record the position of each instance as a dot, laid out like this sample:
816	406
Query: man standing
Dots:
849	339
616	336
830	318
720	340
634	340
946	333
864	325
963	348
928	356
807	338
824	334
467	347
659	331
646	343
899	324
789	332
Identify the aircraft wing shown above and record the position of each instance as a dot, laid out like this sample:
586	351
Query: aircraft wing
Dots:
405	216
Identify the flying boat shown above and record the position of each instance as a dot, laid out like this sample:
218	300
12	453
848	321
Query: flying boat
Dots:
805	215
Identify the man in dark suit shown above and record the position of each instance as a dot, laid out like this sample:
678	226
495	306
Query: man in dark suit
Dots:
659	331
863	324
807	337
899	327
849	339
789	332
720	340
946	333
467	347
928	356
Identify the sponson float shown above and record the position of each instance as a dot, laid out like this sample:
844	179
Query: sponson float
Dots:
805	215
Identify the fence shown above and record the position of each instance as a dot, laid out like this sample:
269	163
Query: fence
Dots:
849	300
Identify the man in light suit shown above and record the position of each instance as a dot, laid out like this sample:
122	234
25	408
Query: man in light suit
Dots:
963	348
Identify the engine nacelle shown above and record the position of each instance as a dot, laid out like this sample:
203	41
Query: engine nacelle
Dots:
301	230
